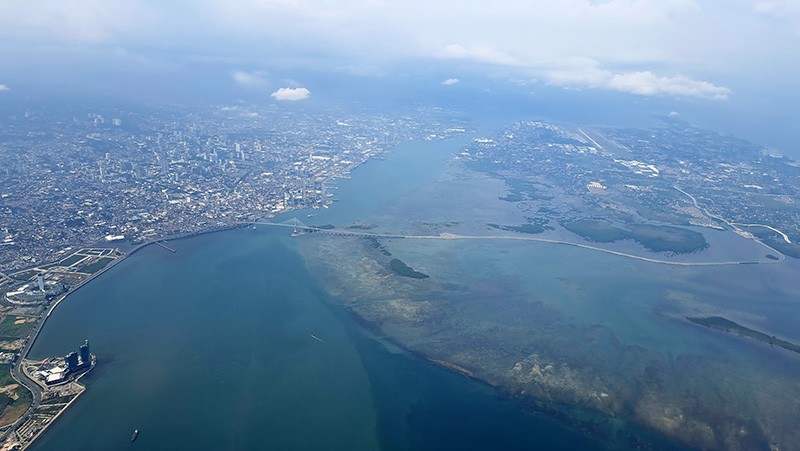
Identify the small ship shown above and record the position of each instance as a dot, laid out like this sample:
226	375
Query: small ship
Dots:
135	434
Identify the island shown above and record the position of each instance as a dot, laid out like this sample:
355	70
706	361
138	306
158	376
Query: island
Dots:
726	325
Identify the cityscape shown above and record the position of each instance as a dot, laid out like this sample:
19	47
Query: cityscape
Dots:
105	188
675	174
116	184
399	225
128	177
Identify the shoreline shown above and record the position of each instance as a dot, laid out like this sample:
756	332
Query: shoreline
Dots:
63	409
526	403
16	368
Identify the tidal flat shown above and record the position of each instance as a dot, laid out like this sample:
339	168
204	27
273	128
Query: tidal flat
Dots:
599	341
557	327
587	341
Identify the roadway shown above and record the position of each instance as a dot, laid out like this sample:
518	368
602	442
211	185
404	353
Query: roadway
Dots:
739	231
19	375
450	236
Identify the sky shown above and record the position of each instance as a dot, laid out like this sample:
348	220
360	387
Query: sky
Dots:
736	59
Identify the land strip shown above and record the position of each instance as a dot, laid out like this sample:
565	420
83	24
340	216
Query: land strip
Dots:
452	236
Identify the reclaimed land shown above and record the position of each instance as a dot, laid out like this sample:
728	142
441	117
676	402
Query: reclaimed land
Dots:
726	325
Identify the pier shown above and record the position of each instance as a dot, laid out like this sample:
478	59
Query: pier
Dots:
166	247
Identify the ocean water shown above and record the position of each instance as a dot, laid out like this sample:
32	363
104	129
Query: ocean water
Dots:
231	344
234	342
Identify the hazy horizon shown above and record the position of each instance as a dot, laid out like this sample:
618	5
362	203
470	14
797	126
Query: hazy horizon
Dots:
729	66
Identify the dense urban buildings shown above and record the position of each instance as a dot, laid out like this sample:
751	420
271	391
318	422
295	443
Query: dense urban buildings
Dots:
83	178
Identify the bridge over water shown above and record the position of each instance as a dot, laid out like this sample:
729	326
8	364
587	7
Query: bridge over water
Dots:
298	227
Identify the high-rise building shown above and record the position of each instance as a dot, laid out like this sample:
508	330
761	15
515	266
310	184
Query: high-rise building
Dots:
86	357
72	361
40	281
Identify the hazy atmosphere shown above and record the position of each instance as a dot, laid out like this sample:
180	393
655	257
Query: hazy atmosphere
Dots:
399	225
732	64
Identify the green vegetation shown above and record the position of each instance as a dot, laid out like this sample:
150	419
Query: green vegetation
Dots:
9	328
11	409
725	325
594	230
522	190
5	375
71	260
96	266
406	271
361	226
772	239
25	396
375	243
58	400
5	400
653	237
25	275
791	250
524	228
668	238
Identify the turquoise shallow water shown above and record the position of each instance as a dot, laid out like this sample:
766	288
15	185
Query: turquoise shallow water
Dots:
212	347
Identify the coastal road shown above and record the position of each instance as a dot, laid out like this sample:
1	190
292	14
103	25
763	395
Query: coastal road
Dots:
450	236
739	231
16	369
22	378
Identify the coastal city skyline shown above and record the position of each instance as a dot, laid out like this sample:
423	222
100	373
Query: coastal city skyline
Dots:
373	224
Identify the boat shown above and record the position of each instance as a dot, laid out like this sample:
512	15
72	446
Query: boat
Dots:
135	434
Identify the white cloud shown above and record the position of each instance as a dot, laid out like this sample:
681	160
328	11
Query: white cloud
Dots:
83	21
450	81
648	84
480	53
777	7
249	79
361	70
586	73
291	94
4	88
780	12
581	72
674	114
637	45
